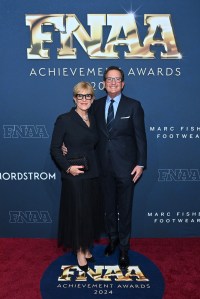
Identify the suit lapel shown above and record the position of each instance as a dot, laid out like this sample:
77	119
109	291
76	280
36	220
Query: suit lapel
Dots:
120	111
76	117
101	113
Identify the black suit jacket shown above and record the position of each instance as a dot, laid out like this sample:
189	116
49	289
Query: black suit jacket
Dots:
126	144
79	139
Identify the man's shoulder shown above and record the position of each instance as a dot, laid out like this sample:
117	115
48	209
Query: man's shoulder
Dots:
130	101
100	100
98	103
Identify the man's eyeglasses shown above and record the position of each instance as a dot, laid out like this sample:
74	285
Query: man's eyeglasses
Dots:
81	96
116	79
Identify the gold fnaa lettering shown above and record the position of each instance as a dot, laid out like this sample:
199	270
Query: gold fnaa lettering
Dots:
69	26
38	36
127	24
66	274
162	23
114	271
111	272
137	273
90	44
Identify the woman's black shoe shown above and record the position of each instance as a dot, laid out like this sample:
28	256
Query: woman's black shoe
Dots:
83	268
90	259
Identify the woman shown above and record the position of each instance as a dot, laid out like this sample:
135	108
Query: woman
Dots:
80	217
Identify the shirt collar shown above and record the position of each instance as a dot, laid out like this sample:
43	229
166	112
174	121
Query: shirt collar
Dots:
116	99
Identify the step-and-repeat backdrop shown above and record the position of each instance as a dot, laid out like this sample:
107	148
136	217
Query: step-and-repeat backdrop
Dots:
46	48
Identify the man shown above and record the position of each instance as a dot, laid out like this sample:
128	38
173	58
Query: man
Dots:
122	151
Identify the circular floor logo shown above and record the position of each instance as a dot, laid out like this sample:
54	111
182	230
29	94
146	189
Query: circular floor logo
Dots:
63	278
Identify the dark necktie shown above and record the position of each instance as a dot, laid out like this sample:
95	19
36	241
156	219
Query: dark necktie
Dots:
110	116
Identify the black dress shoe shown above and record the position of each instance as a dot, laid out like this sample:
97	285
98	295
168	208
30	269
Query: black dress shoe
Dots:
90	259
111	247
123	259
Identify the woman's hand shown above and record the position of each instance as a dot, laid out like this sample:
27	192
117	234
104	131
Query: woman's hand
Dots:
76	170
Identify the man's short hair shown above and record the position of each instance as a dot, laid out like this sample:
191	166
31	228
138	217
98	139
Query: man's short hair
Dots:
110	68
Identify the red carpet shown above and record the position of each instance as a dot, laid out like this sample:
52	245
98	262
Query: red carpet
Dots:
23	262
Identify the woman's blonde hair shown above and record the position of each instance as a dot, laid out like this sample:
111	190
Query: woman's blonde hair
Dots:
83	85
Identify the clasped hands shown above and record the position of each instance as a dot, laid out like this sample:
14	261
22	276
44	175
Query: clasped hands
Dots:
75	169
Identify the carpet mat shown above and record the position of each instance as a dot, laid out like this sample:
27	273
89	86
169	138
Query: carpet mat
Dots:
63	279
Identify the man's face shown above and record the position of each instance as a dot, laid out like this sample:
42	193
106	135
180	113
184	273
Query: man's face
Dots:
113	83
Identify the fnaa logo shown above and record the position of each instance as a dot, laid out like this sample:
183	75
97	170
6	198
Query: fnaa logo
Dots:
102	273
25	131
178	175
123	32
30	217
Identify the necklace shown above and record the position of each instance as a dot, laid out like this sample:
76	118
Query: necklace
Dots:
85	118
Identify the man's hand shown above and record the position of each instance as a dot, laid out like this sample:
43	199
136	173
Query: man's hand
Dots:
64	149
137	172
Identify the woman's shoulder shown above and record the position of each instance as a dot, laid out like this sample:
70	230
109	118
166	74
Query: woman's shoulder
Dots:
65	116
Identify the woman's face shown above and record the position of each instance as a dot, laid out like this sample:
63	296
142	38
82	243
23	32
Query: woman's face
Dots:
83	99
